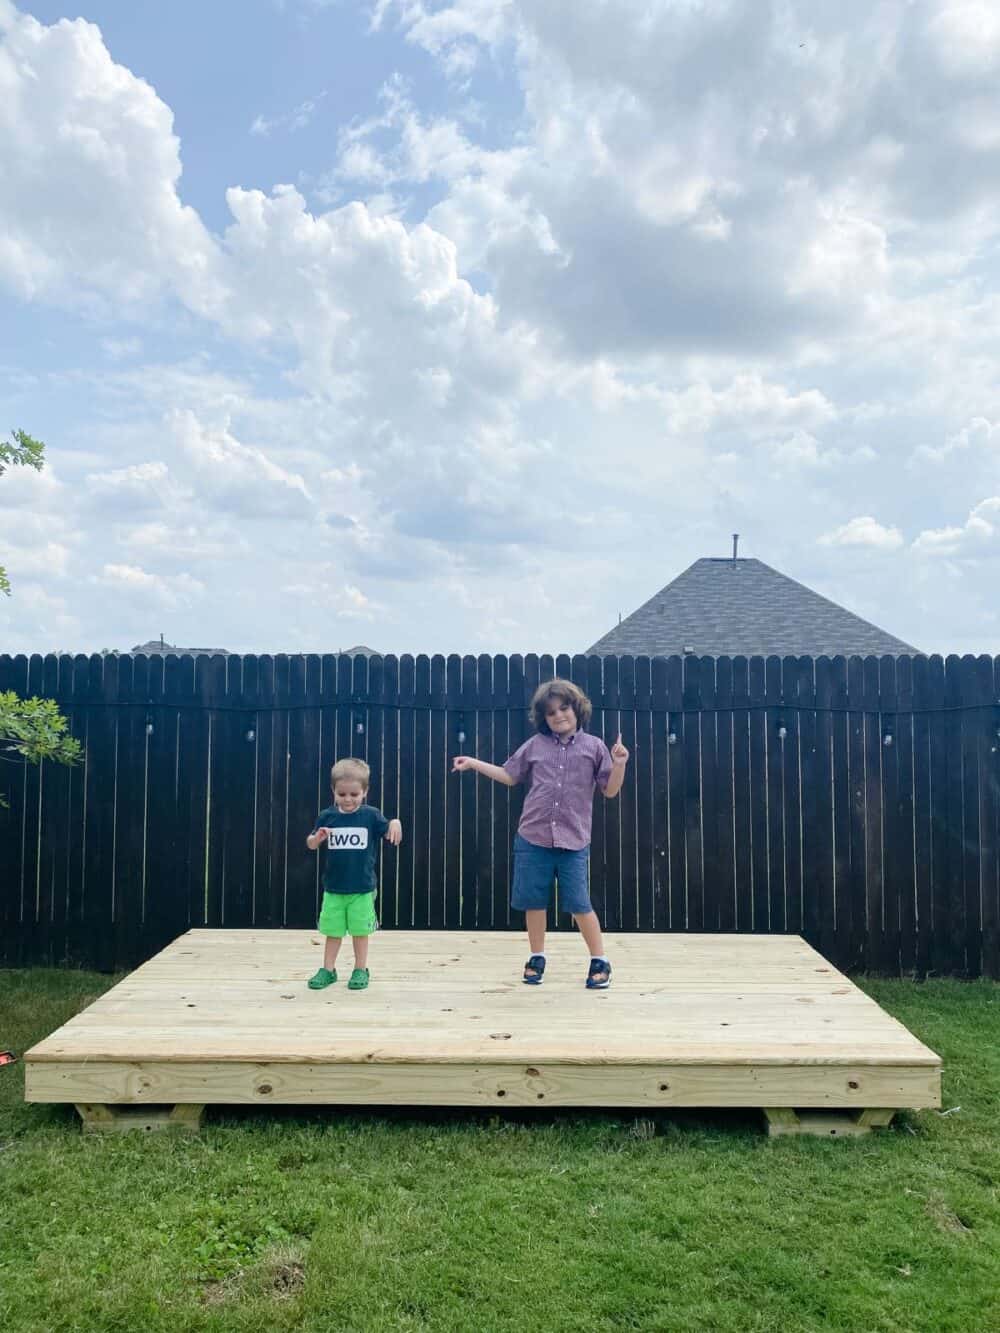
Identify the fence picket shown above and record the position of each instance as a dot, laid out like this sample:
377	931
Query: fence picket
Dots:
953	820
502	831
742	837
819	815
432	821
692	793
237	770
760	737
487	792
940	953
660	905
972	723
639	776
797	690
77	813
388	884
413	787
904	871
840	781
676	742
723	836
893	839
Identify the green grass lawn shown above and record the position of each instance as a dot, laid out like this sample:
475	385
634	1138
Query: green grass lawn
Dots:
467	1221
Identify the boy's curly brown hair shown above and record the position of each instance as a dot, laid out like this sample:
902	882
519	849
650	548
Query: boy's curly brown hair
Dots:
568	693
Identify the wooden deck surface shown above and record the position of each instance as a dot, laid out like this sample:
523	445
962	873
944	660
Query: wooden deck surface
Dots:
697	1020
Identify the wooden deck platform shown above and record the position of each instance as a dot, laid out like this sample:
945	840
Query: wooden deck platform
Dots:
690	1021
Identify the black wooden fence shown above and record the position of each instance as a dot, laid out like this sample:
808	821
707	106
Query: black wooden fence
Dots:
852	800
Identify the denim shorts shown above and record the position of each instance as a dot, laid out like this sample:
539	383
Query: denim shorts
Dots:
537	868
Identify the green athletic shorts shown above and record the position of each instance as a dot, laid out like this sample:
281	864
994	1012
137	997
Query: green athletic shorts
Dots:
347	914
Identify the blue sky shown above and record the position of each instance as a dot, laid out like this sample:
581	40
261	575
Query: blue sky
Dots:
220	66
392	321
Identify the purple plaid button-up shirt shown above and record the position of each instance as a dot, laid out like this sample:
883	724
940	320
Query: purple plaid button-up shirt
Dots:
561	775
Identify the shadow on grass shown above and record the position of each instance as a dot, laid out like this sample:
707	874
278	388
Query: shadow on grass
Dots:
640	1123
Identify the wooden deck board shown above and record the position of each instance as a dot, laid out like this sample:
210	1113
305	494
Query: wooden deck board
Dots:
710	1020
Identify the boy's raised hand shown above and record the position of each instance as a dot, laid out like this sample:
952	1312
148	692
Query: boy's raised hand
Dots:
394	833
619	754
462	762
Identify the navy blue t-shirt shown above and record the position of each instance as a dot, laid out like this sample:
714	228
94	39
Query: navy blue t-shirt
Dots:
352	848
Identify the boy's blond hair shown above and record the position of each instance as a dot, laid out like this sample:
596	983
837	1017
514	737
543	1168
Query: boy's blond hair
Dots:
350	770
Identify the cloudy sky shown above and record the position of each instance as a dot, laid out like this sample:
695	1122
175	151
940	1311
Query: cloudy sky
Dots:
463	325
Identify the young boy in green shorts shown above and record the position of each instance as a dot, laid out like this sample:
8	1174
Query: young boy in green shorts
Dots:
351	830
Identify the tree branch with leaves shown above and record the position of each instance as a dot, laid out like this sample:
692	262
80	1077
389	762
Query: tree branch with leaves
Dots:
19	451
34	729
30	729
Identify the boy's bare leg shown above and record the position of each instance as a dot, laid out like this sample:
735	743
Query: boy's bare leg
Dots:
590	928
333	944
534	919
360	943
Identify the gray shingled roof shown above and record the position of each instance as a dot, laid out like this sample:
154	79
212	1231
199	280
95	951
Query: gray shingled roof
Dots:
721	608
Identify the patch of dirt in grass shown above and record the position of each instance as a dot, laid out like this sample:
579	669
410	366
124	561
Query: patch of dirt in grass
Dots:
223	1291
945	1218
287	1279
279	1275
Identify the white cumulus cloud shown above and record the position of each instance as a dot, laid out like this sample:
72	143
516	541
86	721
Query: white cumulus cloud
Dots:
864	531
89	207
238	477
974	537
167	590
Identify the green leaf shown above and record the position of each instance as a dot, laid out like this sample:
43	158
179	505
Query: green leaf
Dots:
21	451
34	729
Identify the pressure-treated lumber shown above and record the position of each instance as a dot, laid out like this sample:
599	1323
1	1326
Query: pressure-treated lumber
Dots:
783	1121
690	1020
100	1118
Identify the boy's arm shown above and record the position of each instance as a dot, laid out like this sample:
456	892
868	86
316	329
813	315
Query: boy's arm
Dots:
619	758
464	762
383	827
316	838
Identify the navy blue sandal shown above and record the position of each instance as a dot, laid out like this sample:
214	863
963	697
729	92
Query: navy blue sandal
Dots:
536	964
599	976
